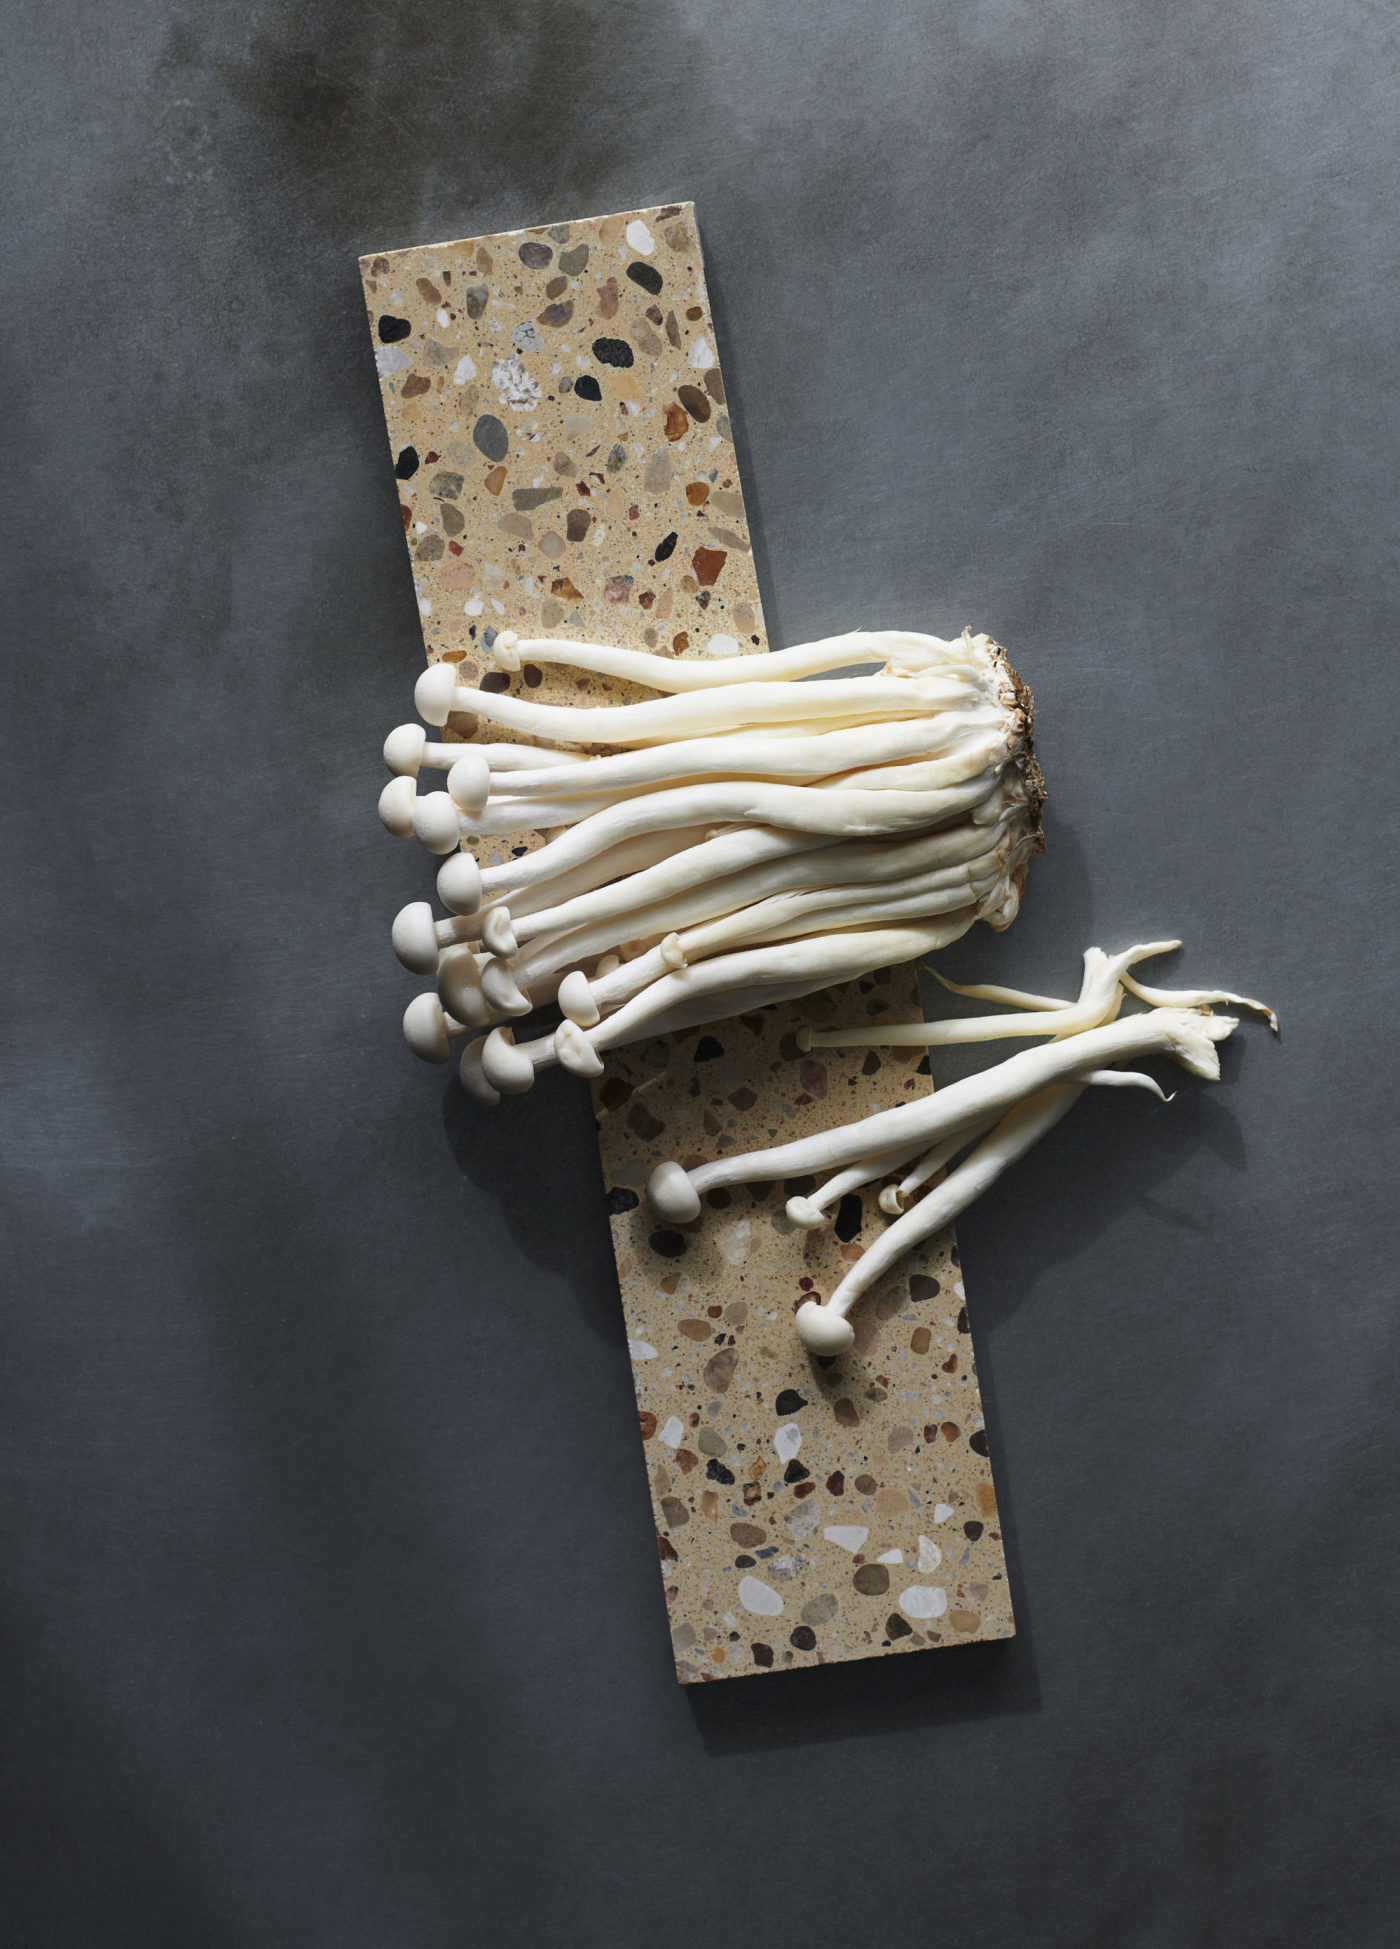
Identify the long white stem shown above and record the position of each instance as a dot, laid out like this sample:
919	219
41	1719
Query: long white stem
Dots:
804	659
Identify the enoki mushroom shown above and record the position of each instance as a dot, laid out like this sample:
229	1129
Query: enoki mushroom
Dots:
994	1116
756	831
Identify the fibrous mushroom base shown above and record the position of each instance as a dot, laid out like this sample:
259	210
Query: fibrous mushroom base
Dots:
757	831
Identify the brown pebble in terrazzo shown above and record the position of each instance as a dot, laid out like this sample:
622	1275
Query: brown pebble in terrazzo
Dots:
694	312
414	384
677	425
675	1511
920	1339
921	1288
714	1311
643	1124
697	492
694	1329
673	330
950	1366
950	1431
742	1099
574	260
749	1536
648	1423
555	317
556	287
709	1504
535	256
666	1549
452	518
711	1443
965	1621
847	1414
892	1502
608	296
836	1483
973	1532
821	1608
872	1580
495	681
686	1461
476	299
986	1499
762	1655
577	523
718	1371
714	385
707	563
804	1637
871	1065
900	1438
495	480
694	402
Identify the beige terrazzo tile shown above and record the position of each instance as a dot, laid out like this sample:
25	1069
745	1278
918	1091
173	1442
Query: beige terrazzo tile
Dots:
560	436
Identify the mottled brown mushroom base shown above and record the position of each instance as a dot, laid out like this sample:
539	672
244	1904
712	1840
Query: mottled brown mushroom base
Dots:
806	1512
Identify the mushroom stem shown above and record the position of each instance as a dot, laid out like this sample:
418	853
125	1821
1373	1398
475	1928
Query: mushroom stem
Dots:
904	649
814	1211
1196	998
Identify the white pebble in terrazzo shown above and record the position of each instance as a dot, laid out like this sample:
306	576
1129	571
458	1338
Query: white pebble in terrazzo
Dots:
890	1556
787	1441
673	1431
733	1241
942	1511
640	237
700	354
846	1536
639	1350
465	369
923	1600
930	1556
757	1597
722	645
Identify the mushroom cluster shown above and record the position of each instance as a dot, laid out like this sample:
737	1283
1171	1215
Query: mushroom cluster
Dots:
755	832
995	1116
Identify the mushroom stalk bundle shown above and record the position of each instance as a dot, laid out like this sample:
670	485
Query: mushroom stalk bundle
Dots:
1001	1111
756	831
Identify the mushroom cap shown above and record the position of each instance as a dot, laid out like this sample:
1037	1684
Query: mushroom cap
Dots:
435	823
459	989
425	1028
459	884
672	1195
474	1077
396	804
503	992
414	937
469	781
505	1067
575	1052
575	998
809	1216
891	1203
433	693
404	748
823	1331
504	650
497	930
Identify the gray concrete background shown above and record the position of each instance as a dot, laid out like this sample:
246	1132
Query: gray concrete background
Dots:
329	1603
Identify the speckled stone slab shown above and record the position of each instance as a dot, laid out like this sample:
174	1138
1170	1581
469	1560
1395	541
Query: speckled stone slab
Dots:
560	436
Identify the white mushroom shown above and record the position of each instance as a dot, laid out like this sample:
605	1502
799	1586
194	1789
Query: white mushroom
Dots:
900	650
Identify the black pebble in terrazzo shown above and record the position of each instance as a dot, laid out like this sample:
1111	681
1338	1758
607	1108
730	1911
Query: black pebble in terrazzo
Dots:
804	1637
962	1321
612	351
762	1655
392	329
794	1472
978	1442
850	1216
406	466
536	256
587	387
706	1049
646	275
620	1199
895	1626
668	1245
491	437
717	1472
790	1401
666	547
973	1532
922	1287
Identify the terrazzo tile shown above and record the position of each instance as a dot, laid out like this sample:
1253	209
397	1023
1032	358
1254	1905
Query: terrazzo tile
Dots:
560	435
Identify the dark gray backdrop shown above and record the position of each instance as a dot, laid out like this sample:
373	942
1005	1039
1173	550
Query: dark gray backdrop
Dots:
329	1594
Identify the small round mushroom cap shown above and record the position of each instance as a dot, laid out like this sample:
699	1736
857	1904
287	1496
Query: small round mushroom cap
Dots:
576	999
672	1195
821	1330
414	938
404	748
396	803
575	1052
504	650
474	1076
459	884
891	1203
435	823
433	693
500	988
469	781
425	1028
459	989
672	953
505	1067
498	931
809	1216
